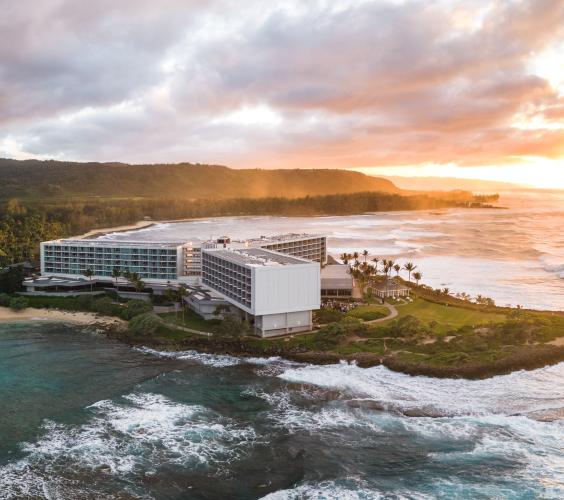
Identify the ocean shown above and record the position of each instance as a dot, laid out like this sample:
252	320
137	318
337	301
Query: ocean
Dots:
84	417
514	255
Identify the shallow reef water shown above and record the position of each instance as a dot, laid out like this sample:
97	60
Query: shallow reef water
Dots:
85	417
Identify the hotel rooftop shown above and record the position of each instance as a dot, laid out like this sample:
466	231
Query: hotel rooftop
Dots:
258	257
280	238
117	243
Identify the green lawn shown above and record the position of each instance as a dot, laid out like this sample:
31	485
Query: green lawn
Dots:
191	320
447	317
369	312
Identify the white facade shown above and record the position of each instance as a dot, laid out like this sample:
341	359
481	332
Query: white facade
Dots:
151	261
278	291
154	261
288	288
308	246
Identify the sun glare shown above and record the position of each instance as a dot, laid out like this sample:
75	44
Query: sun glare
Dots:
532	172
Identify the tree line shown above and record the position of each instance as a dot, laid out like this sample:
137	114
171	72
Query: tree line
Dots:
24	223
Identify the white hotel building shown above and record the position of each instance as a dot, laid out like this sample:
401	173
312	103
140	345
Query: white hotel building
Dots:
275	291
273	281
160	262
155	262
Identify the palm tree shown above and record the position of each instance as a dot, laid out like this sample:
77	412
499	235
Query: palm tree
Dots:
417	276
409	267
183	292
136	281
116	273
375	260
365	254
171	296
345	258
127	275
445	291
397	268
89	273
367	272
355	255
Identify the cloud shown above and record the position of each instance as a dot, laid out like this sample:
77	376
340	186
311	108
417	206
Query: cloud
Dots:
285	84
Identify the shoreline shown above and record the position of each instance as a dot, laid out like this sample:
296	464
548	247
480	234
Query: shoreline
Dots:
117	329
96	233
144	224
546	356
7	315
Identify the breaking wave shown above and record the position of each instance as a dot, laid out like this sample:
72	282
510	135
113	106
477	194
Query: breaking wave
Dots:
218	360
520	392
133	437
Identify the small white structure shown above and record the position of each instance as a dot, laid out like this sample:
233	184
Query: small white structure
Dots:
275	291
392	288
336	281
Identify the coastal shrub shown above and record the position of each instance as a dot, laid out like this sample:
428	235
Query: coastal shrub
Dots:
106	306
18	303
324	316
84	302
144	324
449	358
11	280
231	326
326	338
333	334
5	299
408	327
352	325
376	332
135	308
368	313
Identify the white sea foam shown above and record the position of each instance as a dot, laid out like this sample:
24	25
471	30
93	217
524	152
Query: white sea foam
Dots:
216	360
344	489
554	264
485	421
410	233
537	446
219	360
519	392
21	480
290	415
144	432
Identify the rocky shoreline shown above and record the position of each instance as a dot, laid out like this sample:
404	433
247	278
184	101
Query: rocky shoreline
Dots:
529	359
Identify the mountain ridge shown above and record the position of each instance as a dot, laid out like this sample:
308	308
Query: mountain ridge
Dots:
51	178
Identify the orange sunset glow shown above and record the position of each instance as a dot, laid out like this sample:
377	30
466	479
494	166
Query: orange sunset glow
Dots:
468	89
282	250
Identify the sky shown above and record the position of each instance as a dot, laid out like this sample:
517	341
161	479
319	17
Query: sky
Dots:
465	88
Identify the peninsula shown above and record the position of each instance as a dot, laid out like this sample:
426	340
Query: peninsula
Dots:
284	296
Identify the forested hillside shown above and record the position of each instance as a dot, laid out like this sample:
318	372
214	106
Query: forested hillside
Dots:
44	200
33	179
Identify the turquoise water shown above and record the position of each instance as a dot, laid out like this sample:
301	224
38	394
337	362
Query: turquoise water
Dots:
84	417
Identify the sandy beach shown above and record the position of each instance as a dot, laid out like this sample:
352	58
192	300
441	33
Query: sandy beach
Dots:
7	315
116	229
